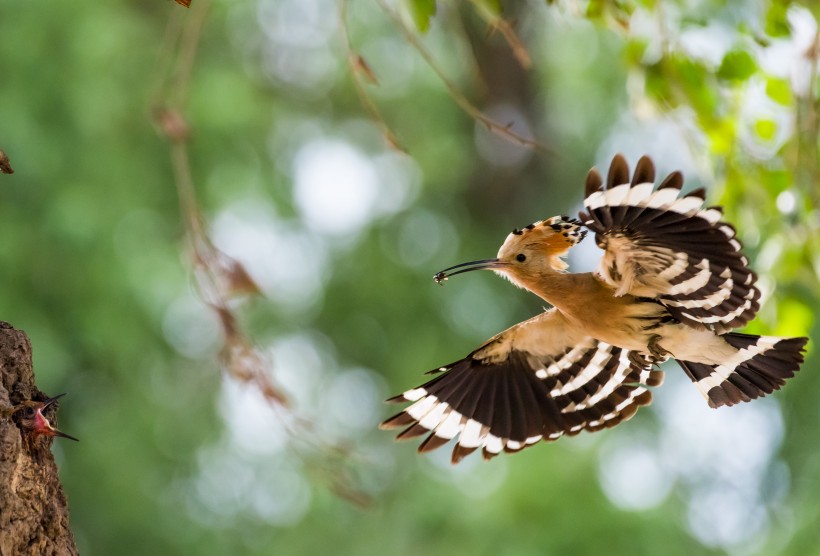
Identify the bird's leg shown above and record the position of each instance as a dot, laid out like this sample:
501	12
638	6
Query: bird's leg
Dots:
655	348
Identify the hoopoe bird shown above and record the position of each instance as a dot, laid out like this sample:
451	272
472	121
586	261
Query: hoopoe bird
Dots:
672	284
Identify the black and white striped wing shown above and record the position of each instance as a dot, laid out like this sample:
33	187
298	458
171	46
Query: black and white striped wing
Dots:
662	245
530	383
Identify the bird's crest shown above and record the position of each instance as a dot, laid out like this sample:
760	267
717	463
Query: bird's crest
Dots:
554	235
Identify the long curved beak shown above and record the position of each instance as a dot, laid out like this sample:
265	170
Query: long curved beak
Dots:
484	264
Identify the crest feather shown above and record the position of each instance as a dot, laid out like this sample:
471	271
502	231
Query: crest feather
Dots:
555	236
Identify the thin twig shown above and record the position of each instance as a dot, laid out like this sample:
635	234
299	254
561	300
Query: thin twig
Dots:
504	130
218	277
498	23
167	51
357	65
188	206
188	47
808	140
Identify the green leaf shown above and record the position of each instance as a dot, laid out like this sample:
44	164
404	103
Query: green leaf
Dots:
776	24
677	80
737	65
766	129
634	51
722	136
595	9
794	318
421	11
779	91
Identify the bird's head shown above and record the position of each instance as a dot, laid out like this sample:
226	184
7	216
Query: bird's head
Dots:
528	253
33	422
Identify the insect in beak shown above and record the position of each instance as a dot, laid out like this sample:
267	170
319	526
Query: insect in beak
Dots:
484	264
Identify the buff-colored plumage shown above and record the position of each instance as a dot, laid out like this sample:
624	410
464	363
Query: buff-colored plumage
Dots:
672	284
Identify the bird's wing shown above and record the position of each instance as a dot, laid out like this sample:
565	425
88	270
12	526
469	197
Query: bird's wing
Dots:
659	244
535	381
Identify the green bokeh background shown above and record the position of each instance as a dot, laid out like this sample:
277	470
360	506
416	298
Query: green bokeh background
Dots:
93	263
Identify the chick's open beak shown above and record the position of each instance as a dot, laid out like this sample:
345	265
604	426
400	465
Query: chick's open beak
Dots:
44	426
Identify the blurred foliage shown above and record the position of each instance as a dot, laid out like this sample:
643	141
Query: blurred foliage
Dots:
421	12
343	234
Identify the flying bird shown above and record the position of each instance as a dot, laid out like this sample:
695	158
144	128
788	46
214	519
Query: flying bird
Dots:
673	283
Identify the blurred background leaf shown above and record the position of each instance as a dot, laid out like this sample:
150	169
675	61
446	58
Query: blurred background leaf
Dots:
421	11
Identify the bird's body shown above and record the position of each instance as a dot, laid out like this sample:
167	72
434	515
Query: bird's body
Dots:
570	295
625	321
672	283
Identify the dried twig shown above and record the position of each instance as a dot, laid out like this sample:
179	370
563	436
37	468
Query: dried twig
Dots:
504	130
808	124
219	277
498	23
359	68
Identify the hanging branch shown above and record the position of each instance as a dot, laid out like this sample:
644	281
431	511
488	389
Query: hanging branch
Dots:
504	130
808	123
498	23
360	70
219	277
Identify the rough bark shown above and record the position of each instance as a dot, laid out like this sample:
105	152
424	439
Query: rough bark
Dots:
33	508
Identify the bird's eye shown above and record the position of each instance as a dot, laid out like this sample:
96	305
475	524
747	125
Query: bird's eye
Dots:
521	257
29	412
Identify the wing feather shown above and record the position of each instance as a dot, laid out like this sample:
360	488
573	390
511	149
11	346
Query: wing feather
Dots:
535	381
664	245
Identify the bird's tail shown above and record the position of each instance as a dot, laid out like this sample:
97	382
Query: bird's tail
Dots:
761	365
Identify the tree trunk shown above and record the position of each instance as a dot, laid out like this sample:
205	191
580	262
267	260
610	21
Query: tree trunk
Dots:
33	508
